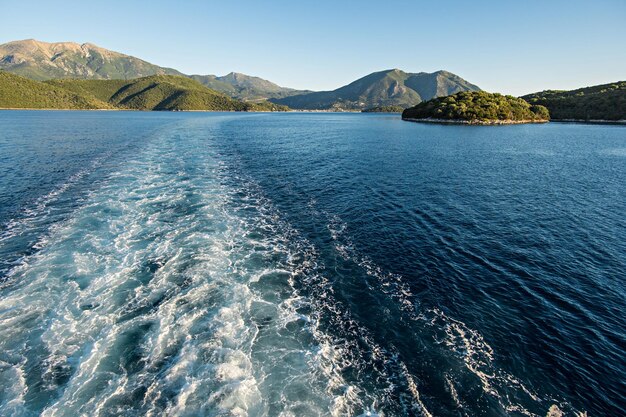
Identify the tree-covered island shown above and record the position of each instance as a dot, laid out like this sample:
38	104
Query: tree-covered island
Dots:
477	107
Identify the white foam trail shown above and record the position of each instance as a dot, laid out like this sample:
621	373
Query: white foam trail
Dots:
478	358
169	292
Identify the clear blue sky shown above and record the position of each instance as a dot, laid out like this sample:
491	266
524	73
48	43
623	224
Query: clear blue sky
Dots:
503	46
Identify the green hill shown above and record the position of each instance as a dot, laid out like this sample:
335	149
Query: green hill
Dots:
600	102
103	90
23	93
384	88
477	107
265	106
168	92
157	92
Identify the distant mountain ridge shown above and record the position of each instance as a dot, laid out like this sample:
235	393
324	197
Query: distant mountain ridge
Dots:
246	87
392	87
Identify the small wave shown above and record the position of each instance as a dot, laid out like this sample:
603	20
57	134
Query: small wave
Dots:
477	356
614	152
17	225
31	229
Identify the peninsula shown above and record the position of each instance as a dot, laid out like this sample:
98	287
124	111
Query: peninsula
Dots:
600	103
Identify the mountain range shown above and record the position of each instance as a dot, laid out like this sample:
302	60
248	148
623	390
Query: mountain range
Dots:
44	61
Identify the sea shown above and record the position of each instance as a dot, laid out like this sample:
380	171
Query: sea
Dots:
309	264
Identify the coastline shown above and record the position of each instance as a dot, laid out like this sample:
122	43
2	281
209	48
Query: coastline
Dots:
473	122
54	109
186	111
591	122
139	110
428	120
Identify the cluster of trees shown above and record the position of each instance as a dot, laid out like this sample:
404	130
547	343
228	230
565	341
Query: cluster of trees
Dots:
22	93
600	102
264	106
478	106
384	109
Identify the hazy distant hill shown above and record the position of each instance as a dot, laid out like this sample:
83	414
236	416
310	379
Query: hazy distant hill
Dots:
246	87
600	102
384	88
44	61
155	92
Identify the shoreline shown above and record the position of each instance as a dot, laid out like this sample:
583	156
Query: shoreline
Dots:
591	122
473	122
183	111
30	109
428	120
155	111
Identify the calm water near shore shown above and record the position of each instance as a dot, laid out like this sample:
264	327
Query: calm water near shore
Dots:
309	265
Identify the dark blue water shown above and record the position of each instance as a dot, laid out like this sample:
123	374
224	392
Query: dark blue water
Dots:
309	264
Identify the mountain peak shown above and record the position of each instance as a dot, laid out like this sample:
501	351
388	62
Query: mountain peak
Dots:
238	76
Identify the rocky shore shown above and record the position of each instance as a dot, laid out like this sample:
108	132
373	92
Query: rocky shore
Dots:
591	121
473	122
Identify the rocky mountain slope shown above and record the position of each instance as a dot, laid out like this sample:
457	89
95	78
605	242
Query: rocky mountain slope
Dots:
42	61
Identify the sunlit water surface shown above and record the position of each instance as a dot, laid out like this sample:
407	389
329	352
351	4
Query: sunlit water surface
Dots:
309	265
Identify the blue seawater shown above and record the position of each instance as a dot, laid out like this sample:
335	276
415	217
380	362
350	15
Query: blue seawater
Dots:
228	264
